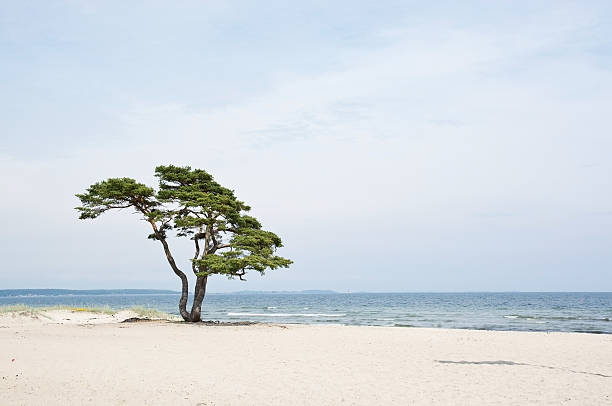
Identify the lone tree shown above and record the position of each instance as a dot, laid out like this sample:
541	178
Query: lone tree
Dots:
191	204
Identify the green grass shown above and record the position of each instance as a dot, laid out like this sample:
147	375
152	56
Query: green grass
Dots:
149	313
19	308
34	311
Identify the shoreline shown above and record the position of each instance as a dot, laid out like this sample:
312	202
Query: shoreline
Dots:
146	313
86	360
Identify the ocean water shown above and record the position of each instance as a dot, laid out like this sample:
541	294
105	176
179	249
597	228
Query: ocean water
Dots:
579	312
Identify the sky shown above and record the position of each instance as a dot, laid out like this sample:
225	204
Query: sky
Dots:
392	145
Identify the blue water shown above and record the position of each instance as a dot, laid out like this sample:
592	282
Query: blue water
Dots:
582	312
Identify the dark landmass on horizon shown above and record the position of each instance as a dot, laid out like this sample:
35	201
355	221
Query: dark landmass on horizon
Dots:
278	292
93	292
61	292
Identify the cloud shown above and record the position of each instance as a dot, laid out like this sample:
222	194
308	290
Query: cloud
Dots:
417	149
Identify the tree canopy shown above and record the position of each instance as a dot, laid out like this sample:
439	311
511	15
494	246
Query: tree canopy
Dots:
192	205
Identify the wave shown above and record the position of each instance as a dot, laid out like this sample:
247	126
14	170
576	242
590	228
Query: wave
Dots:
556	318
287	314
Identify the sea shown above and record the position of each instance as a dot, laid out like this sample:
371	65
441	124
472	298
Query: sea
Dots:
567	311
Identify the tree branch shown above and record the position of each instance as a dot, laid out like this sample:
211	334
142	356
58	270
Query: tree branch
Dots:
216	247
239	274
197	252
120	207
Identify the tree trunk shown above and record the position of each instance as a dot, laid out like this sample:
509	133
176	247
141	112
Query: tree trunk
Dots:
199	293
184	282
182	276
184	295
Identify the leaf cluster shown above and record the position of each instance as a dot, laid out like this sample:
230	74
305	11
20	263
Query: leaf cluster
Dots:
115	193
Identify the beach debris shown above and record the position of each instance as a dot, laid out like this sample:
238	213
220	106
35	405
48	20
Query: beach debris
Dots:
227	323
136	320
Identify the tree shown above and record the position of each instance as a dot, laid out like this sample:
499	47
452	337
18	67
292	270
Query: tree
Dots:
190	203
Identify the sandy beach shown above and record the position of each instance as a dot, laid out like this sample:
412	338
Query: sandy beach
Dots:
69	358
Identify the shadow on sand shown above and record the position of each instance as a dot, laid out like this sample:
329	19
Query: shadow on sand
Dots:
502	362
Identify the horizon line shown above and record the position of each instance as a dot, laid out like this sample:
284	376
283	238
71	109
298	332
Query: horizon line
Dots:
329	291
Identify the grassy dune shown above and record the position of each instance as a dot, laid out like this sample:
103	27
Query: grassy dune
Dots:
26	310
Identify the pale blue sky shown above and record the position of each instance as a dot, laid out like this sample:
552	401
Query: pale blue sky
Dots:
394	146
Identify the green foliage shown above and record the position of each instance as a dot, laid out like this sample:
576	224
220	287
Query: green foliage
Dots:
191	203
115	193
251	249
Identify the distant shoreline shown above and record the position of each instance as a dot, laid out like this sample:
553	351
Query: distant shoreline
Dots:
59	292
93	292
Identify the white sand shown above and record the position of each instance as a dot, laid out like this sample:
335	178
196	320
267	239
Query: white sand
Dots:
62	316
85	361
